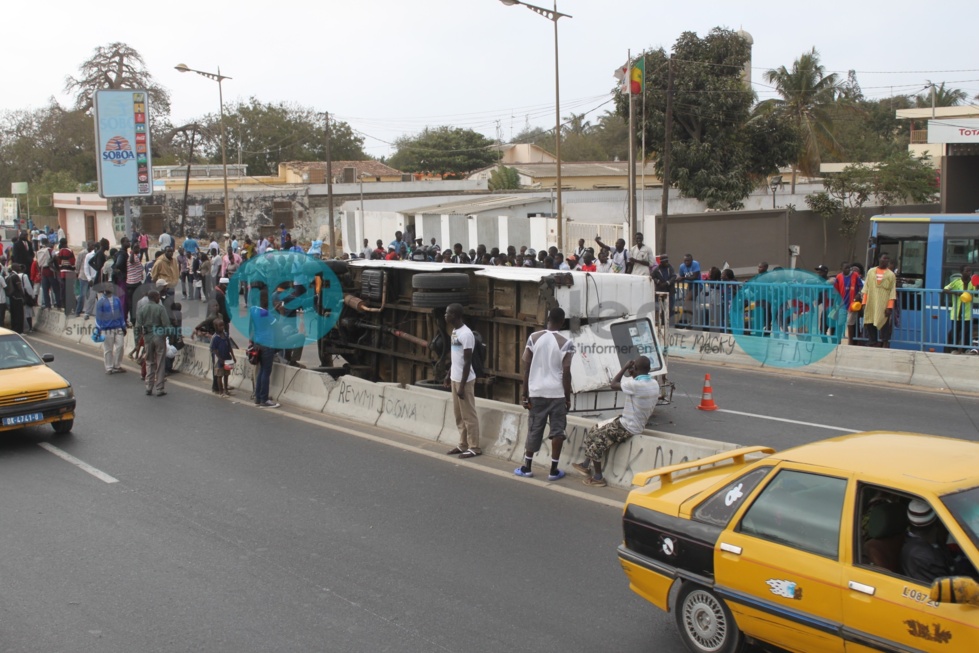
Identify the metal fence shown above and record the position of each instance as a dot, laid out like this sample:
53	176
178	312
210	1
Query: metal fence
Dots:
923	319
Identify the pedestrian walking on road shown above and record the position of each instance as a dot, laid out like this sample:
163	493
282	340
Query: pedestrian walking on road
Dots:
547	392
153	323
641	393
111	321
462	379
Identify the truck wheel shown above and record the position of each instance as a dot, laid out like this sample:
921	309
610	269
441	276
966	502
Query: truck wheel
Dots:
440	281
439	299
705	622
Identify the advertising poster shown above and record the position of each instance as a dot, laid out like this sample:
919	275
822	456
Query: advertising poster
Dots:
122	138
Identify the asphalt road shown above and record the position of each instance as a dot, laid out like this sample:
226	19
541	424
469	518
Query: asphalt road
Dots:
238	529
233	528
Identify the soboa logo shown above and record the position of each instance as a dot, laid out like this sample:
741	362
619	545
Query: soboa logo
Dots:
291	299
787	318
118	151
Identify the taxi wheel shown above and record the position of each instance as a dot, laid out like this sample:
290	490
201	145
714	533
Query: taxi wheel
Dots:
705	623
63	427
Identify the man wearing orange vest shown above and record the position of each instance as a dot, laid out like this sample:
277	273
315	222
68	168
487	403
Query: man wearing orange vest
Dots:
879	295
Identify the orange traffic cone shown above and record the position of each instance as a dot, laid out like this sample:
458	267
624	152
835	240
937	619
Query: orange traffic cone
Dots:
707	399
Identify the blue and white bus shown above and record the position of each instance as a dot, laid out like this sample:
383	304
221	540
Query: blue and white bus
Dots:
929	250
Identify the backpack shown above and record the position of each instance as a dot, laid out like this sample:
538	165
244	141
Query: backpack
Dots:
479	354
15	287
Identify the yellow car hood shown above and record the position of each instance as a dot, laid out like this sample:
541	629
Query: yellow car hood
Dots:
30	379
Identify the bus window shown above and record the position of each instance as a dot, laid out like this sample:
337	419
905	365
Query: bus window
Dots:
961	248
906	243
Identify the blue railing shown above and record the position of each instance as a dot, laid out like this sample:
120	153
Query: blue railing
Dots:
922	319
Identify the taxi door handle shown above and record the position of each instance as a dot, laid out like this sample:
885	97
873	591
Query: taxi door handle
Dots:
860	587
730	548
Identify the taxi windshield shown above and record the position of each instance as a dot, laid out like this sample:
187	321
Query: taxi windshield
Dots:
15	352
964	506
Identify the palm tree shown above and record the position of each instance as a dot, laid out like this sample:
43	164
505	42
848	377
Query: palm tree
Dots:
577	125
807	97
943	97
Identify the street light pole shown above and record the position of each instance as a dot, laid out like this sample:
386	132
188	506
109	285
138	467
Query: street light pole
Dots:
217	77
552	15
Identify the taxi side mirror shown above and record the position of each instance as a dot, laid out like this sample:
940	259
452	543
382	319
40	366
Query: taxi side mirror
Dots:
48	358
956	589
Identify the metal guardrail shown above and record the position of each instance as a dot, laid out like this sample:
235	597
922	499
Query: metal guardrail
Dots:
923	319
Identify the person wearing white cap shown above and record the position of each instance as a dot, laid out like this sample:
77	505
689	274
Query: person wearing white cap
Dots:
925	555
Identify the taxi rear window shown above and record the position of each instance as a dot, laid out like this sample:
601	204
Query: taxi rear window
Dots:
721	506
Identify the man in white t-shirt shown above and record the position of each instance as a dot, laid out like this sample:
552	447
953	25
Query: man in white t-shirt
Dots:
462	379
641	257
641	394
547	391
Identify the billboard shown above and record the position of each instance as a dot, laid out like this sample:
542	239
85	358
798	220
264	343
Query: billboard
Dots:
8	211
958	130
122	141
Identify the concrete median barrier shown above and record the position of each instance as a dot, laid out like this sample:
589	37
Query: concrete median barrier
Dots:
309	390
957	372
866	363
355	399
415	412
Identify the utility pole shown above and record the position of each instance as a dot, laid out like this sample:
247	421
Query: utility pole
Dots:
190	160
667	161
632	160
329	188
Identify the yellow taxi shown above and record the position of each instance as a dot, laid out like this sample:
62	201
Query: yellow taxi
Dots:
866	542
31	393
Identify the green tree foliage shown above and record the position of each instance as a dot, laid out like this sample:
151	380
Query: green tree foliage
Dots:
720	149
944	97
446	151
262	135
40	192
116	66
606	140
504	178
807	95
905	179
868	130
899	179
50	139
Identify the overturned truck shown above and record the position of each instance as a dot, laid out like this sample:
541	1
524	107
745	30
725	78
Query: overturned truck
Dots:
392	325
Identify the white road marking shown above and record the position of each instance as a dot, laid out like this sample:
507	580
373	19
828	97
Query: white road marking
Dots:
789	421
332	425
80	464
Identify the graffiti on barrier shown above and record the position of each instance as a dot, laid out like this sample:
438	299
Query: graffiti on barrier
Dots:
362	398
400	409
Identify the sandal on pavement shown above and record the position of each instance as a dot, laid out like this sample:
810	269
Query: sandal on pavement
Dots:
591	482
581	469
455	451
520	472
556	477
468	453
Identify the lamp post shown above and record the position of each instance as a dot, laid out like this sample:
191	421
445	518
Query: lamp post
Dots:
217	77
774	183
552	15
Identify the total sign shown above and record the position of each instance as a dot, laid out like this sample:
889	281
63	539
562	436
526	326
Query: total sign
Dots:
962	130
122	138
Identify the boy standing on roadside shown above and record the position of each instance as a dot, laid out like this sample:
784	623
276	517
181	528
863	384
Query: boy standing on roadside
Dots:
221	352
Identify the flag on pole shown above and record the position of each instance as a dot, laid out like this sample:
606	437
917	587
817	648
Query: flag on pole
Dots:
637	73
621	74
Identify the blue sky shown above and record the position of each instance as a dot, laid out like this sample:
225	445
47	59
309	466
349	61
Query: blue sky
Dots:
392	67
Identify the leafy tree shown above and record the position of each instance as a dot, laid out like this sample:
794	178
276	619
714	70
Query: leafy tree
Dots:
807	94
718	154
868	130
903	179
50	139
504	178
844	196
40	191
944	97
576	125
445	151
262	135
612	134
116	66
899	179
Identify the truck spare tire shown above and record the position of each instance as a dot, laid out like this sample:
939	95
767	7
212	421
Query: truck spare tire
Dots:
440	281
439	299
